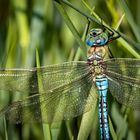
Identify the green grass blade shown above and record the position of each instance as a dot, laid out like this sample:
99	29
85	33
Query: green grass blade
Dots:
111	128
138	13
46	127
87	119
5	130
87	123
78	53
129	48
81	12
121	127
71	26
130	19
134	44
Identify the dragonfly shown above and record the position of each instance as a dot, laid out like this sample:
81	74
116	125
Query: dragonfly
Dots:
68	90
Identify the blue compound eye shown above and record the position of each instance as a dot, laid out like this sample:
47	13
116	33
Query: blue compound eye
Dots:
96	38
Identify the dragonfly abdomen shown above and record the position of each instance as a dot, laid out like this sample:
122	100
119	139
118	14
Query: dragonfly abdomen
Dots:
102	85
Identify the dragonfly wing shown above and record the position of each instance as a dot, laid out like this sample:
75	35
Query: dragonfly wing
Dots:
26	80
64	102
124	81
58	75
124	66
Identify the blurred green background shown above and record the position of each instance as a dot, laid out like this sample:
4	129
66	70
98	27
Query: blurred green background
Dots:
58	32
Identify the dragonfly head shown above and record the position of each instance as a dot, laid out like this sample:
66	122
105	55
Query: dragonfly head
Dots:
96	38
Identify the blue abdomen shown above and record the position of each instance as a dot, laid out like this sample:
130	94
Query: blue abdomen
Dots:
102	85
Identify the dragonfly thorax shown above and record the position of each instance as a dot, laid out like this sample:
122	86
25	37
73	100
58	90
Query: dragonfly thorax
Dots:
98	66
98	69
97	55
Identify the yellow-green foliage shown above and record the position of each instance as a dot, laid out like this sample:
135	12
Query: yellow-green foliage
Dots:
58	32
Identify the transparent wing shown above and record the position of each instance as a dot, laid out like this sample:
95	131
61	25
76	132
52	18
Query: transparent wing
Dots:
124	80
124	66
25	80
58	75
18	80
65	102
